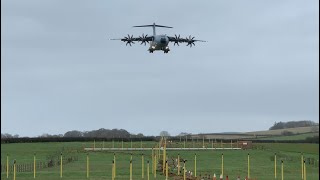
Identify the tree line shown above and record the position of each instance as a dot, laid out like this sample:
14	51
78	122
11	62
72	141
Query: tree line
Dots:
100	133
293	124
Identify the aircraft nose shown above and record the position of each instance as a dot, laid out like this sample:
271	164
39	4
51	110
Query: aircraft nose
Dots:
163	40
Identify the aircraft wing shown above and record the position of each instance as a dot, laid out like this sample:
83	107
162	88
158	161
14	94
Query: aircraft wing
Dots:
190	41
130	39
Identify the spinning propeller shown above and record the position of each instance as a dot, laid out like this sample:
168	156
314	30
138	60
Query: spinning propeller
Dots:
190	41
144	39
176	39
128	39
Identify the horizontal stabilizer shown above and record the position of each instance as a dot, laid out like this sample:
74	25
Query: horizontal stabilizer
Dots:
153	25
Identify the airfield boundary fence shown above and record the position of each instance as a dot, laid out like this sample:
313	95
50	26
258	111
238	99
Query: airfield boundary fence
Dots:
104	168
29	167
193	144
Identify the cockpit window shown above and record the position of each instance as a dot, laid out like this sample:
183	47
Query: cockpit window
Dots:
163	40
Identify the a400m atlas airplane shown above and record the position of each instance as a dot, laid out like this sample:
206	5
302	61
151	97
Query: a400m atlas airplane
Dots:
158	42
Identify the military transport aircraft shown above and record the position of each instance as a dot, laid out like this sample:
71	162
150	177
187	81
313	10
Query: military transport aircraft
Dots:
158	42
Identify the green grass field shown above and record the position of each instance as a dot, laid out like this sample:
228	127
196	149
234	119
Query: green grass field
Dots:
291	137
208	161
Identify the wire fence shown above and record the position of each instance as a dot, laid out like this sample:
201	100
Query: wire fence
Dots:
98	165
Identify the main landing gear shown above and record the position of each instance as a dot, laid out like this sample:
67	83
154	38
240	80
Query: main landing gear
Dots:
166	50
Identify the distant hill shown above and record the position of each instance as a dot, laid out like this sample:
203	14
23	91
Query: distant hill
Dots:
302	136
304	132
293	124
297	130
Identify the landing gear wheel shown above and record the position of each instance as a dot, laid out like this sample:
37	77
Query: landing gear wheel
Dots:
150	51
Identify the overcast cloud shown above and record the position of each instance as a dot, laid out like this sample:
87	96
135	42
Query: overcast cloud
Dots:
60	71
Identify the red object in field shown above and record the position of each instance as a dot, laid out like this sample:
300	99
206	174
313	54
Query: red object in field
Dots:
227	178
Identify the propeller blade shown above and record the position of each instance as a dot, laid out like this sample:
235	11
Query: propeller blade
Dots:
190	44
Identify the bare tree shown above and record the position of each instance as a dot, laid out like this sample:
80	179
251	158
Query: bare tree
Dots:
73	133
164	134
6	135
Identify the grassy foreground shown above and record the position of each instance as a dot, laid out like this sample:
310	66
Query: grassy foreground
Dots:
208	161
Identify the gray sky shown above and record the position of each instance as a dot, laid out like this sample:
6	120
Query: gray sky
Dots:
59	71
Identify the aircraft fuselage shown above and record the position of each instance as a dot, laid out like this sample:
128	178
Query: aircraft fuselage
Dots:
160	43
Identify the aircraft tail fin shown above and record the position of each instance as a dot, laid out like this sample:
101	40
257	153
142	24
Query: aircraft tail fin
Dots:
154	25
